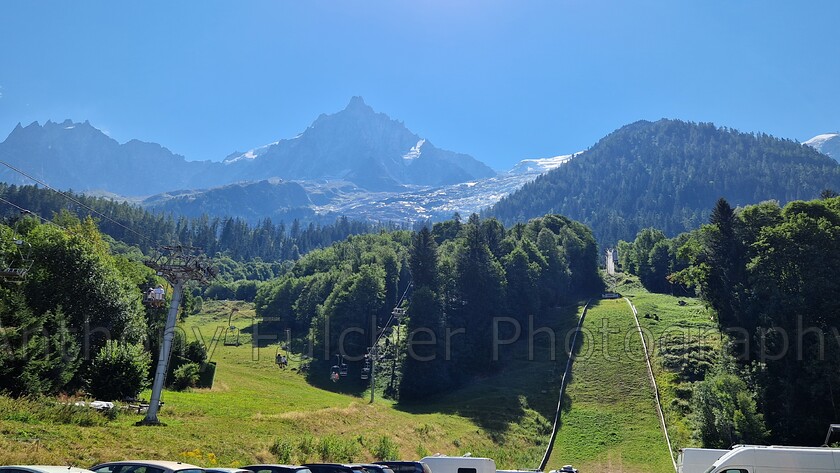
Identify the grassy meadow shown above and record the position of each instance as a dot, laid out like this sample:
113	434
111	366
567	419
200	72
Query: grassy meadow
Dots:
680	338
257	412
609	421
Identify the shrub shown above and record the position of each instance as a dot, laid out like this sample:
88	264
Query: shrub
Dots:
119	371
307	448
195	352
336	449
283	450
386	449
186	376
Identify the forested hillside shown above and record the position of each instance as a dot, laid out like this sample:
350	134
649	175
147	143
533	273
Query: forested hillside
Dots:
668	174
463	277
230	236
76	298
769	274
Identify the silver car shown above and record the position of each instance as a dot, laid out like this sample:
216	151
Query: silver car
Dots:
41	469
146	466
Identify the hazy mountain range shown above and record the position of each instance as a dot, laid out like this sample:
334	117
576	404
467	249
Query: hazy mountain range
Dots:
355	162
366	165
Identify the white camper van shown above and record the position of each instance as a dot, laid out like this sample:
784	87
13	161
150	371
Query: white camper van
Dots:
444	464
698	460
754	459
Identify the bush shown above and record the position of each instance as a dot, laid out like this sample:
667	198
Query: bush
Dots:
386	449
195	352
246	291
283	450
337	449
186	376
119	371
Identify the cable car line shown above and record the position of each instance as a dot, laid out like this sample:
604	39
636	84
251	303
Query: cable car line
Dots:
78	202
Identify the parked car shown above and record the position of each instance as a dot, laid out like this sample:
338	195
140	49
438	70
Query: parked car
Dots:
41	469
146	466
406	466
374	468
329	468
272	468
446	464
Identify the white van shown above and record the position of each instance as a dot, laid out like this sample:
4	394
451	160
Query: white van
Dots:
444	464
698	460
773	459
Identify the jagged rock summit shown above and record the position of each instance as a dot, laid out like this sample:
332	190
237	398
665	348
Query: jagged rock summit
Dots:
363	146
357	144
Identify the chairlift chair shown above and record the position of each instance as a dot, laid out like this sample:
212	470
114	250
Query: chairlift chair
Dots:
366	368
231	332
231	337
16	267
335	371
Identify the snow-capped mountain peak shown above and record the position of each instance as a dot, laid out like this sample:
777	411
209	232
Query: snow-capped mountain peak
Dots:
827	143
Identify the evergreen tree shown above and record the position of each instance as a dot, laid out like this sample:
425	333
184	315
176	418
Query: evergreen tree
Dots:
38	355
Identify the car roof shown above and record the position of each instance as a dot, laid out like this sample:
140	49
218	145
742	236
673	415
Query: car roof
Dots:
47	468
273	465
168	465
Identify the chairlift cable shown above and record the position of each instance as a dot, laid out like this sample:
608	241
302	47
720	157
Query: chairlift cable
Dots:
25	211
391	319
78	202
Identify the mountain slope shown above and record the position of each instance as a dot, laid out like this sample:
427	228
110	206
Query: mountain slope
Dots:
356	144
252	201
359	145
78	156
827	143
668	174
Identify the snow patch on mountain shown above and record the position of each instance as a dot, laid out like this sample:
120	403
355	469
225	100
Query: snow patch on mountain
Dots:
423	202
250	154
414	152
540	165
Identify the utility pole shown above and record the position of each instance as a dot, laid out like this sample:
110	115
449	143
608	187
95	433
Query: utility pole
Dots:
178	265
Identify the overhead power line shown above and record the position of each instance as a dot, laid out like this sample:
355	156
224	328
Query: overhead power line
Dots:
77	202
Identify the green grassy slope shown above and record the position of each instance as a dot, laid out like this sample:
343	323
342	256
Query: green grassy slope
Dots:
609	422
684	337
256	412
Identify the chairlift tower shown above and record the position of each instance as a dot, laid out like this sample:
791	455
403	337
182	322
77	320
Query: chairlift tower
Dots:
178	265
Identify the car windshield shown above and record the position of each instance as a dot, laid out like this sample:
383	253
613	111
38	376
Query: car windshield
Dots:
133	469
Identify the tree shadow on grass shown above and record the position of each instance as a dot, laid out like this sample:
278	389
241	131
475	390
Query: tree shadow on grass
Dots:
525	389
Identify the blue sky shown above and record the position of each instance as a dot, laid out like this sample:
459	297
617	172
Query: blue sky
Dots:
500	80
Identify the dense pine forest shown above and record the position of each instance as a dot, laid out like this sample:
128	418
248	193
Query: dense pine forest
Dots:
768	273
84	292
229	237
668	175
463	276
